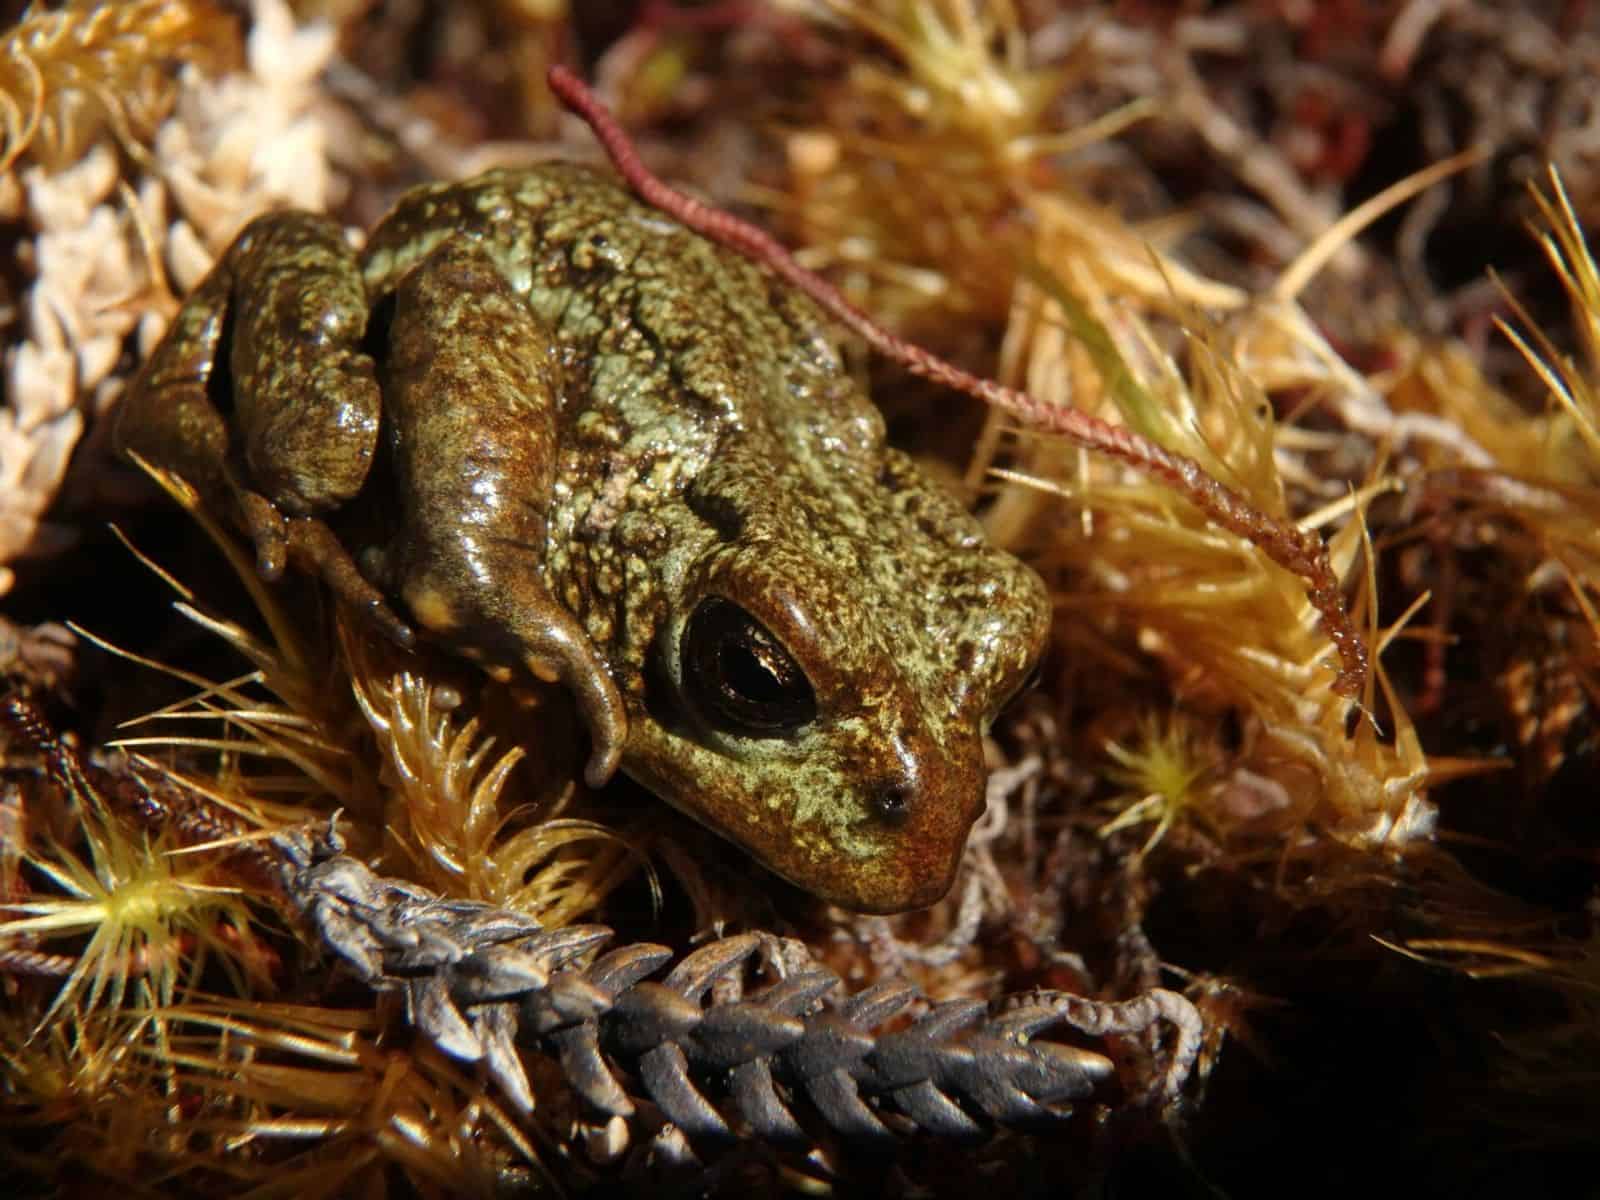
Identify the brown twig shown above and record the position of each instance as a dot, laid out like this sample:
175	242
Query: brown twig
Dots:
1292	548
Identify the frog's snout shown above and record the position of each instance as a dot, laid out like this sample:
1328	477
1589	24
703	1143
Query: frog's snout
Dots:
921	811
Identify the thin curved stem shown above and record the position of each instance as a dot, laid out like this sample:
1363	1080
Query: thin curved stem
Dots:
1292	548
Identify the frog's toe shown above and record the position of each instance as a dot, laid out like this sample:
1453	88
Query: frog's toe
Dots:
561	652
601	706
314	544
608	729
376	610
268	530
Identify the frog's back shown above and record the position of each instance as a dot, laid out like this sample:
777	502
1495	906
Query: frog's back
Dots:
667	335
502	208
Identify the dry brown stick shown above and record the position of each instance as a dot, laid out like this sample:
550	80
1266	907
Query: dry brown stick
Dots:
1292	548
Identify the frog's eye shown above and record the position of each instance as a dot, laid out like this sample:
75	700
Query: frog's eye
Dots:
740	676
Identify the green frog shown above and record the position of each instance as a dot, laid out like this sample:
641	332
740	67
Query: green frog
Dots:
620	457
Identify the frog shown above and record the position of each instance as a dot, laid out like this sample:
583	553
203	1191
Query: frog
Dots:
622	459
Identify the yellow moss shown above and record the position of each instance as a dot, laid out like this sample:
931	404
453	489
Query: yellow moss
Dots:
269	1078
150	916
446	811
65	72
1162	772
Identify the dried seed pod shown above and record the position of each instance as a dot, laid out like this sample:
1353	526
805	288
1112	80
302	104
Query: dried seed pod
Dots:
478	980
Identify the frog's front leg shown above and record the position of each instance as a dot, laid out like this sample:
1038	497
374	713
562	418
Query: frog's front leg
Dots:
286	307
471	382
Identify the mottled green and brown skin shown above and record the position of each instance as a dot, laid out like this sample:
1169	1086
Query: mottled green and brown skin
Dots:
607	435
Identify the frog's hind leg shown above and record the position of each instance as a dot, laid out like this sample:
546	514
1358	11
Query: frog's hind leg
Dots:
472	387
286	310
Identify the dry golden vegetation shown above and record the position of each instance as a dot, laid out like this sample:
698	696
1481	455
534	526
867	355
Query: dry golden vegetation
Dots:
1335	254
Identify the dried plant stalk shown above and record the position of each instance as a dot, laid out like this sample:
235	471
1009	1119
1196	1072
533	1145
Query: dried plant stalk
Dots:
478	980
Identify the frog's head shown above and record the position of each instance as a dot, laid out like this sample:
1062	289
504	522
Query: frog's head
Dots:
832	655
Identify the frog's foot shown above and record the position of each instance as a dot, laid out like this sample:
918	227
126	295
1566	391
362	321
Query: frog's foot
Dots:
559	650
310	542
535	633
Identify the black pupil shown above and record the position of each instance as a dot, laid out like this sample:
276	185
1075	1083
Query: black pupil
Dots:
750	670
739	675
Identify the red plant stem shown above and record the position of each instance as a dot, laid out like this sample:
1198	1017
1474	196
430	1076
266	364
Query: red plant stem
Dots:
1287	545
193	819
17	960
29	725
196	821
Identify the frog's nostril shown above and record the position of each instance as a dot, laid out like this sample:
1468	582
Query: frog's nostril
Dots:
892	804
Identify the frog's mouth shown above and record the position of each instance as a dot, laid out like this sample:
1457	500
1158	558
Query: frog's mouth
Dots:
882	835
